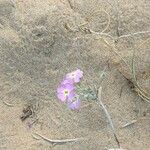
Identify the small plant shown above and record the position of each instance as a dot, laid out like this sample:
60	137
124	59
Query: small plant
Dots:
66	90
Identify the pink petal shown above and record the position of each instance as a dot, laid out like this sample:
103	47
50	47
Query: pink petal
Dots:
71	96
60	88
67	81
69	87
69	77
77	79
61	97
75	105
80	73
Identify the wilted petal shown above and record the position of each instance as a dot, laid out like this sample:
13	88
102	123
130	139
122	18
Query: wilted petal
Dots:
76	79
74	105
80	73
75	76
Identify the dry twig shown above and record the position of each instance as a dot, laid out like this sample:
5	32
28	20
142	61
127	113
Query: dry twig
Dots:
133	34
108	17
107	115
8	104
141	92
57	141
129	123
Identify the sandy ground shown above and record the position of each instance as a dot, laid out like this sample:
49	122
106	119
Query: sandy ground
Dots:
41	41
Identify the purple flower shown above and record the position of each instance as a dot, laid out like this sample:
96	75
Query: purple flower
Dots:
75	76
65	92
74	105
67	81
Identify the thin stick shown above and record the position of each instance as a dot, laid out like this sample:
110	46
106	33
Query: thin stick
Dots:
101	34
115	51
141	92
116	149
57	141
133	34
118	17
108	16
8	104
134	121
35	137
70	4
107	115
129	123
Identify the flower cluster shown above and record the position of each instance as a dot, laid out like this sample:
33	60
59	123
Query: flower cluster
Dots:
66	90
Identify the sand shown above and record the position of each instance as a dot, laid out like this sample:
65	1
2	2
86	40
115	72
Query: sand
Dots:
41	41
